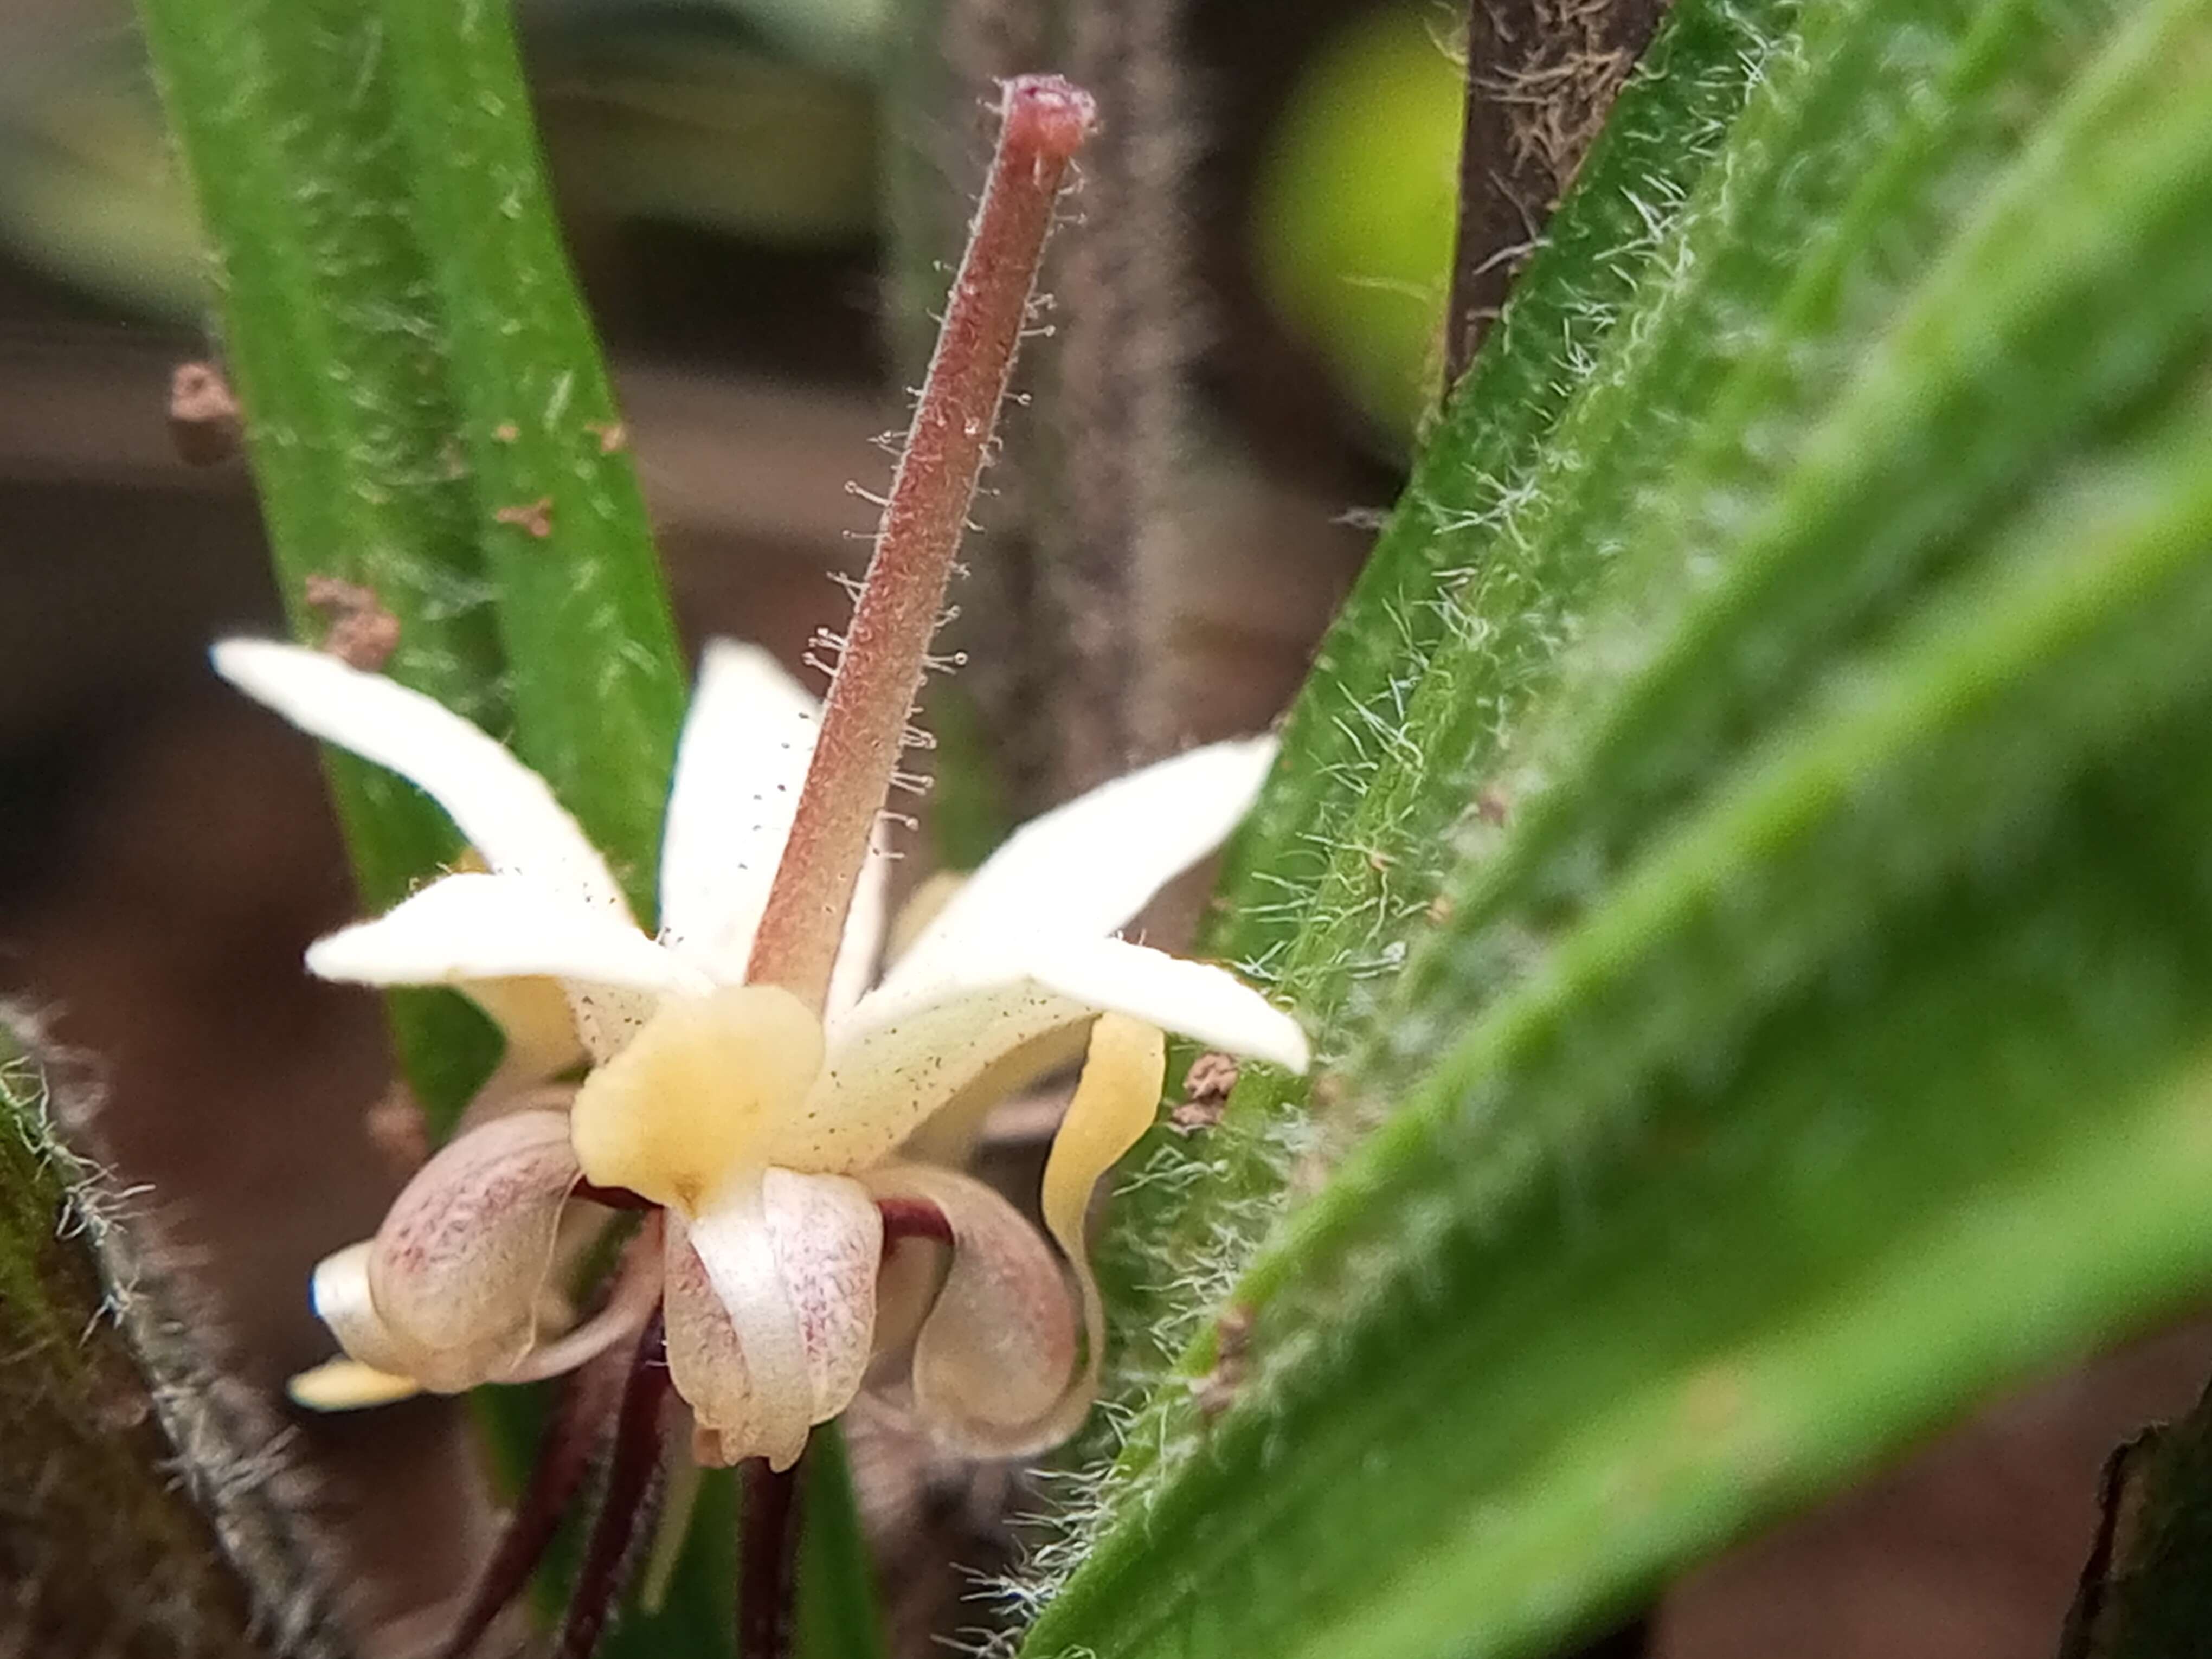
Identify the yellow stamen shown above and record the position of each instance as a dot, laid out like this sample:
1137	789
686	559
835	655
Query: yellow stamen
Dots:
1114	1103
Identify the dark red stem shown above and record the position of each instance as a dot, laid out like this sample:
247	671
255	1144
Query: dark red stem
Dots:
1042	122
571	1441
767	1561
614	1198
625	1505
913	1217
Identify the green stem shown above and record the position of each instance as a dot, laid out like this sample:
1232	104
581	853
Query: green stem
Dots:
595	677
283	115
107	1396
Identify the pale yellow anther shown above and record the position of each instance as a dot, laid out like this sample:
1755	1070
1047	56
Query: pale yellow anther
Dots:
346	1385
707	1088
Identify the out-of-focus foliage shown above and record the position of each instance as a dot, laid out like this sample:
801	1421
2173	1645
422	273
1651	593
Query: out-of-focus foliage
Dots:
755	121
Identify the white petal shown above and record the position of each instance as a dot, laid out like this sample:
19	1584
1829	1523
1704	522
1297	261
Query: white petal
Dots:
896	1060
994	1371
739	768
504	808
1190	998
1085	869
904	1054
340	1290
474	930
770	1310
468	928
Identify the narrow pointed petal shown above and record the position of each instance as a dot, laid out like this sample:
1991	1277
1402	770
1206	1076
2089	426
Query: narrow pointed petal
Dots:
908	1052
470	928
994	1367
473	930
456	1270
770	1305
896	1060
1191	998
1085	869
1115	1101
504	808
746	744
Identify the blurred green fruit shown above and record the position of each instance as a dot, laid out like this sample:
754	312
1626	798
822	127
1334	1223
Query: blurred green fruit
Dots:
1353	231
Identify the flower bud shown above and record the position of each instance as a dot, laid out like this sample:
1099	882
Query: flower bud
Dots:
455	1271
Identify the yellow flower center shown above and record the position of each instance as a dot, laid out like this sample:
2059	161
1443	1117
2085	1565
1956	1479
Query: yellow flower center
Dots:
699	1094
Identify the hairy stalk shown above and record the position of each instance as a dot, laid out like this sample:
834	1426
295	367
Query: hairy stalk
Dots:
1541	78
949	57
1043	122
146	1504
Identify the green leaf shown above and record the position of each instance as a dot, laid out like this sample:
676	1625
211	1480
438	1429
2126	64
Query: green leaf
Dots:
281	112
595	678
1879	1084
1829	1042
1830	196
1931	441
1293	907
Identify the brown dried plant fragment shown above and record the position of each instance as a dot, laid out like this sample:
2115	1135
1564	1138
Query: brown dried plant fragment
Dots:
536	517
363	633
1540	79
205	424
1217	1389
1205	1091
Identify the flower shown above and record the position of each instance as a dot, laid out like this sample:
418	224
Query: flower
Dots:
774	1146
